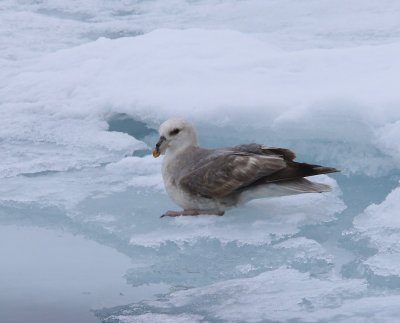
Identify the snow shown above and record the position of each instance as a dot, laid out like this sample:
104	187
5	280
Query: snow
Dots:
236	80
85	85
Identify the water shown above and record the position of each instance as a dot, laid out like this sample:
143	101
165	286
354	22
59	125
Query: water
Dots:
50	275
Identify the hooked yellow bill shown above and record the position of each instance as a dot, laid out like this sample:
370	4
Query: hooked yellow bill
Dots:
156	153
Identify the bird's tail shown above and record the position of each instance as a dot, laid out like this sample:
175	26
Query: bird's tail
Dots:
295	170
302	185
282	188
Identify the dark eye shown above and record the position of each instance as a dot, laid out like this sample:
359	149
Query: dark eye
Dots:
174	132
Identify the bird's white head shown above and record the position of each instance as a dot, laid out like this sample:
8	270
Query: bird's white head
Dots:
175	134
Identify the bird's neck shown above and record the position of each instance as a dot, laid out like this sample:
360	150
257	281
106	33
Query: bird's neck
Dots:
174	151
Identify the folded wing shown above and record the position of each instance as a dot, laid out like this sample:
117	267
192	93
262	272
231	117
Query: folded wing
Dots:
225	171
228	172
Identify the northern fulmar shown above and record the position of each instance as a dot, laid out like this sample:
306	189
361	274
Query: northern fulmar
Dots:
208	181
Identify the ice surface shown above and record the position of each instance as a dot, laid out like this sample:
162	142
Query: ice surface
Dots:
380	226
85	84
279	295
32	27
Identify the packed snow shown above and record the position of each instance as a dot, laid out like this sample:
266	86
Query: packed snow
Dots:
85	85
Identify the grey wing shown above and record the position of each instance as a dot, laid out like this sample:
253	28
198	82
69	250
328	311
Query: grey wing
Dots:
258	149
223	173
293	170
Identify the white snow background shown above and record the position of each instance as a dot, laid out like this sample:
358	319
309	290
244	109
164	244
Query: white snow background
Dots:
85	84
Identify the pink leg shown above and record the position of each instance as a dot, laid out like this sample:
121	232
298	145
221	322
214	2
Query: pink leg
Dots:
192	212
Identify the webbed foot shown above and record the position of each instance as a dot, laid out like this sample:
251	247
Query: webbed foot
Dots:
192	213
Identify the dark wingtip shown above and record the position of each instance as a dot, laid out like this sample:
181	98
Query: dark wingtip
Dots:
326	170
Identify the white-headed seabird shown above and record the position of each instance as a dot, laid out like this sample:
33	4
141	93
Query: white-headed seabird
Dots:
208	181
